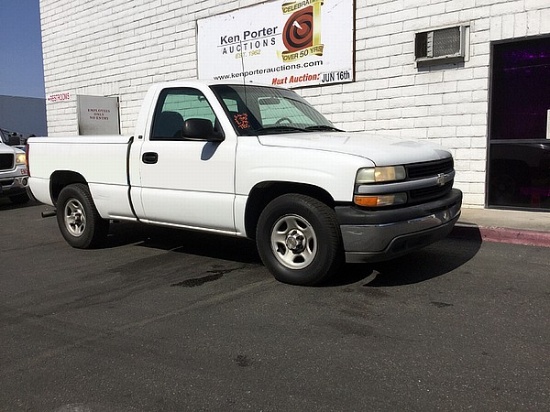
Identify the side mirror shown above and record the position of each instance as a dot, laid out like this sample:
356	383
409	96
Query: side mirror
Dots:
14	140
201	129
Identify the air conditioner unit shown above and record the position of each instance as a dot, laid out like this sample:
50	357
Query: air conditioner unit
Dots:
441	46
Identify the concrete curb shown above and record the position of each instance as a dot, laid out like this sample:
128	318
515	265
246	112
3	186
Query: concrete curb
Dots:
502	235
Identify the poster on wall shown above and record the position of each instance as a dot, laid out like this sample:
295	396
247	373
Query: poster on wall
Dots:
286	43
97	115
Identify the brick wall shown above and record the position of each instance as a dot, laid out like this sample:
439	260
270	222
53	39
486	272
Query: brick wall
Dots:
120	47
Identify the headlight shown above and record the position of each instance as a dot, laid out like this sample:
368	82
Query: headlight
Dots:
20	159
380	174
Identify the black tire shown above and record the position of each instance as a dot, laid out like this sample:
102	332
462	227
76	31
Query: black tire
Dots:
20	199
298	239
78	219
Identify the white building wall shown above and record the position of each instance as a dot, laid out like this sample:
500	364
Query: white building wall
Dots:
119	47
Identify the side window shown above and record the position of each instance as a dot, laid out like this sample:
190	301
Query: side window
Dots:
174	107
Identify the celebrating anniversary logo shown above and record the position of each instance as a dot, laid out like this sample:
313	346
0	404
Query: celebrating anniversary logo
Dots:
302	31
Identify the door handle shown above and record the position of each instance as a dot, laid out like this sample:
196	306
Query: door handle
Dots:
150	158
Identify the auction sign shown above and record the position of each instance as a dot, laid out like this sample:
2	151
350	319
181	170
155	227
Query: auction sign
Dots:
288	43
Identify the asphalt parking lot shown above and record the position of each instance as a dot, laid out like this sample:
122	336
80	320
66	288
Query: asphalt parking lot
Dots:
164	320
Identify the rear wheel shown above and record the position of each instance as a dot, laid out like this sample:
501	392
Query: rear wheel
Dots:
298	239
78	219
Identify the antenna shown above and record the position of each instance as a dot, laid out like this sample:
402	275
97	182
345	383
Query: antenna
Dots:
244	74
242	62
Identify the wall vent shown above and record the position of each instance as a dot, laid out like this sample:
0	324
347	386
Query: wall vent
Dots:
440	46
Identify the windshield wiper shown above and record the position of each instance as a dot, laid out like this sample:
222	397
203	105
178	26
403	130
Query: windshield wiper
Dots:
280	129
322	128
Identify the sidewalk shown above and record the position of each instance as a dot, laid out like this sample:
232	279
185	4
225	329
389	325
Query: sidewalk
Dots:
504	226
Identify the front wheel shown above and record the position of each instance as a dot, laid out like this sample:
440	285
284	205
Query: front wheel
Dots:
298	239
78	219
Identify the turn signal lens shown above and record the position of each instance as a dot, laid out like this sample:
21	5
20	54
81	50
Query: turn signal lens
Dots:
380	200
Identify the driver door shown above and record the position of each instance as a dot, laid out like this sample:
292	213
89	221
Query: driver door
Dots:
186	182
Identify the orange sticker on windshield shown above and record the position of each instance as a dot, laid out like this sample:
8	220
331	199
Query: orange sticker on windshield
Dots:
241	120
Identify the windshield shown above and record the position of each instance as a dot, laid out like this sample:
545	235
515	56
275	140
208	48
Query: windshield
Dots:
256	110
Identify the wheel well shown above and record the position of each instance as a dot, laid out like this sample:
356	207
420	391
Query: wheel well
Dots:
62	178
265	192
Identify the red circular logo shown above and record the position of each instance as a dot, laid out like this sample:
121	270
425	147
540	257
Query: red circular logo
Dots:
298	32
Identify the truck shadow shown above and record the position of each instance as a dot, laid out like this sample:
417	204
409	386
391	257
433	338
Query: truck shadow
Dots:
183	241
419	266
422	265
6	204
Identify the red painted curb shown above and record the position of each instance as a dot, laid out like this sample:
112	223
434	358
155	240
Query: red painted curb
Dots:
503	235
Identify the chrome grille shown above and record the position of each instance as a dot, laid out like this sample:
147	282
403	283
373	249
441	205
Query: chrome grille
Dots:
6	161
427	169
428	193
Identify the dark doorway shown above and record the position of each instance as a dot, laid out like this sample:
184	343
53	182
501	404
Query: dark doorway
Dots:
519	141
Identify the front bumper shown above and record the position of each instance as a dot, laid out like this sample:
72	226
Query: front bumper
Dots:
13	185
371	236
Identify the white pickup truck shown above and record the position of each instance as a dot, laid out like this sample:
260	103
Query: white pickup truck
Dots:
251	161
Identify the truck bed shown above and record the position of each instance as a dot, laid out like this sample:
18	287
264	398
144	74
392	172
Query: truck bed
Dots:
100	160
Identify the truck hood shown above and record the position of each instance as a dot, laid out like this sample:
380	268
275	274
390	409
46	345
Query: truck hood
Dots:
9	149
381	150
